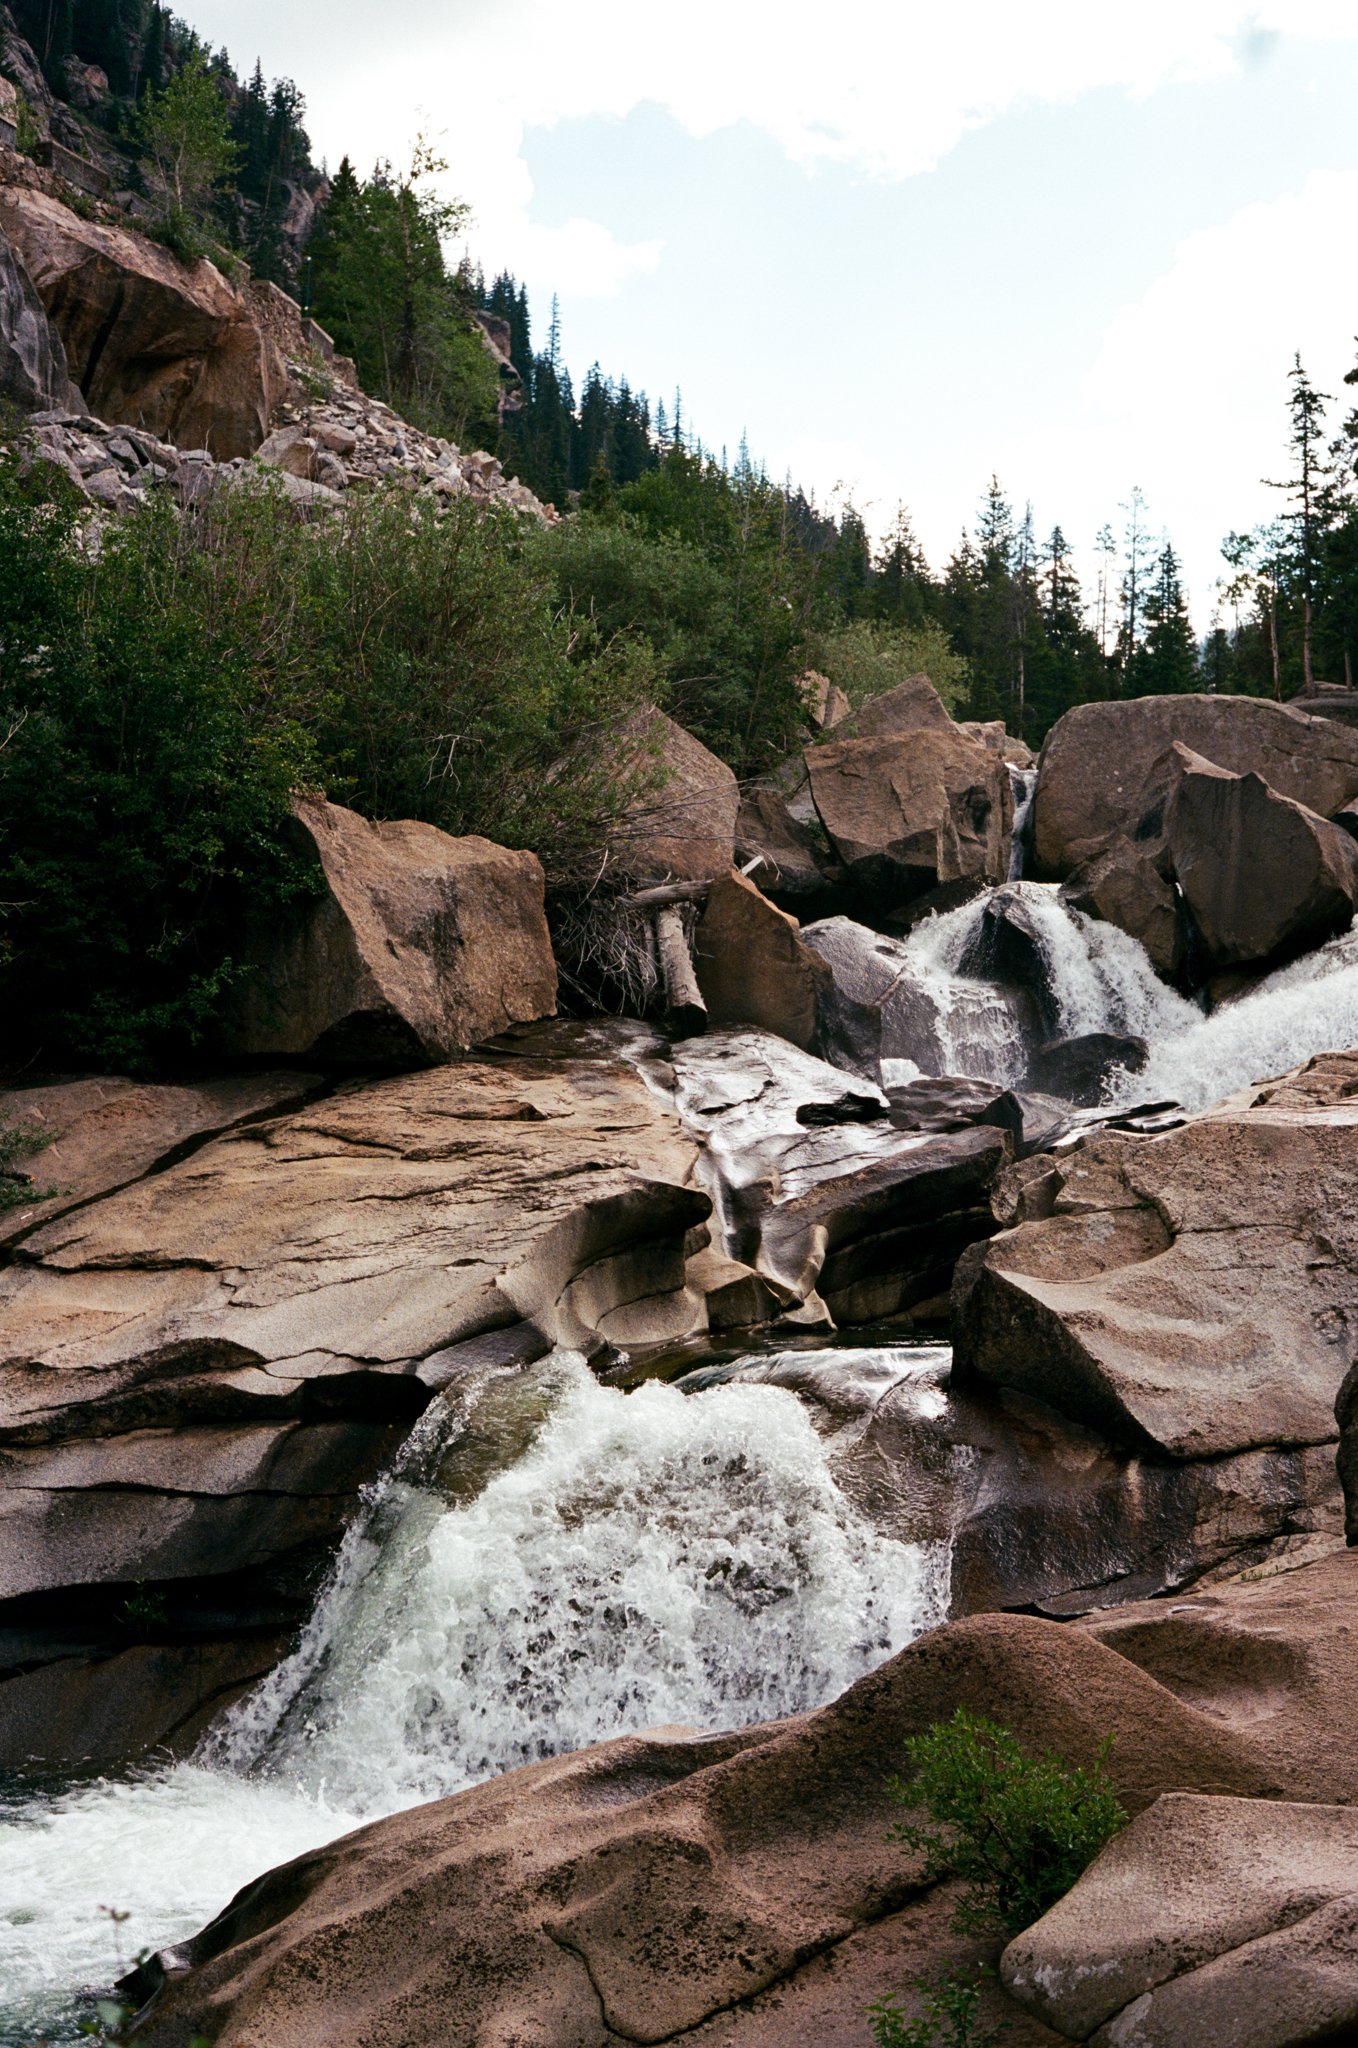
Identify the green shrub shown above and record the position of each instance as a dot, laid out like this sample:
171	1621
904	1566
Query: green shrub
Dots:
953	2003
21	1141
1018	1831
866	659
166	683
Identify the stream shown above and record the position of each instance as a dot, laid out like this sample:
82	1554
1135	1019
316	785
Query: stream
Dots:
555	1561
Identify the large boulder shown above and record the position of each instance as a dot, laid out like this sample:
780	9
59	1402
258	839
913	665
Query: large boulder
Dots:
1082	1068
417	946
1187	1295
687	830
1263	876
767	833
1123	886
913	706
650	1885
151	342
907	811
1097	765
753	968
33	373
1208	1919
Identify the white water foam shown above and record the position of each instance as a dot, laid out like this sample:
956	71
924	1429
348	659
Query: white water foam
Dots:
583	1564
1102	980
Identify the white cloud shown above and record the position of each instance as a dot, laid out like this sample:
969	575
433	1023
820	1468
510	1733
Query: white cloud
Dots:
1187	394
886	87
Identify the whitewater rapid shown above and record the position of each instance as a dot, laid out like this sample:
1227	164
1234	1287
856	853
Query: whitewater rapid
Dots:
1102	980
554	1563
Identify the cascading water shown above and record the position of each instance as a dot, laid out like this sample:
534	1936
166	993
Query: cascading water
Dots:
554	1563
1100	979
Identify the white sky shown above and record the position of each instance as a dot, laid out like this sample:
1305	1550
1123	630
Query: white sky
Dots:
900	245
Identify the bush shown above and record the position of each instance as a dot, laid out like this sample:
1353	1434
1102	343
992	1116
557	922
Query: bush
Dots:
953	2002
167	682
865	659
1017	1831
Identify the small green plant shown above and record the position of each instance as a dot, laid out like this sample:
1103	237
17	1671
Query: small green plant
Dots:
27	133
953	2003
20	1141
1017	1830
316	380
144	1612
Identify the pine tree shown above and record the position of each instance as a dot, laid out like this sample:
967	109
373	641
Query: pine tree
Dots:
1167	661
1307	487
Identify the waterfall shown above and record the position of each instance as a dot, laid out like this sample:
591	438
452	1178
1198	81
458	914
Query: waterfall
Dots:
553	1563
1023	782
1102	980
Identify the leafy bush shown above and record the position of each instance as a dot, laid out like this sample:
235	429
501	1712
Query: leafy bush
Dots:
953	2002
866	658
167	682
1018	1831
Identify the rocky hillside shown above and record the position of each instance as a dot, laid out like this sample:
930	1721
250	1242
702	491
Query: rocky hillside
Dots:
134	367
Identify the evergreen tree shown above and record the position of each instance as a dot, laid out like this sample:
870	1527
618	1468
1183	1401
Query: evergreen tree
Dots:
1307	488
1167	660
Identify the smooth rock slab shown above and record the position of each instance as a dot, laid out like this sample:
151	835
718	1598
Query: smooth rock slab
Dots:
109	1131
640	1887
1193	1293
1197	1880
178	1355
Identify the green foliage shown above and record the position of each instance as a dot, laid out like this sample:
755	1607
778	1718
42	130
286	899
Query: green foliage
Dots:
1018	1831
27	133
150	764
165	696
708	573
186	132
21	1141
866	657
144	1613
380	285
953	2003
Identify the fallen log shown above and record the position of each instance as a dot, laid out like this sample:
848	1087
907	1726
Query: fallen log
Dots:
685	1010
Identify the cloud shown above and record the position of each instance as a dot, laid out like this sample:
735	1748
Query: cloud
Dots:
1190	383
885	87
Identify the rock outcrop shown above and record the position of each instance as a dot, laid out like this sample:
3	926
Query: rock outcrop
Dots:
785	853
152	342
913	706
1346	1415
1096	771
104	1133
1123	886
664	1887
879	1008
201	1368
1206	1919
1188	1295
416	946
907	811
33	372
753	968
